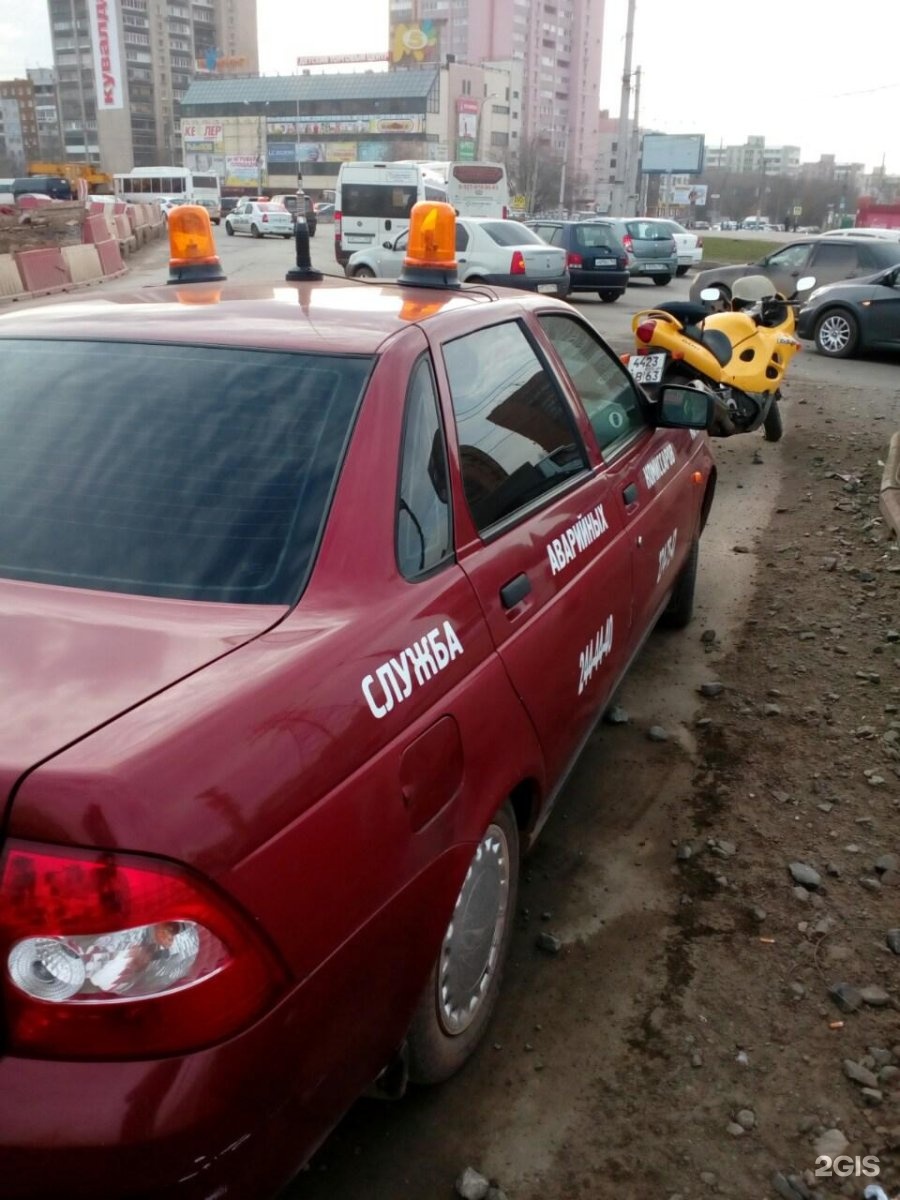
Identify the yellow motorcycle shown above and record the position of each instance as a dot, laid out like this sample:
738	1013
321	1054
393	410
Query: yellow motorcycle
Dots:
741	355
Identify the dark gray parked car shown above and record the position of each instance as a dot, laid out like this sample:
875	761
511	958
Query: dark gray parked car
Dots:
829	259
846	318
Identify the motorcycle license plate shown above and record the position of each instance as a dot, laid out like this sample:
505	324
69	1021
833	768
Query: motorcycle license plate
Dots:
647	368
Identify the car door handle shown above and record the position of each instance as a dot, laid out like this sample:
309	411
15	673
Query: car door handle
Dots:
630	494
514	591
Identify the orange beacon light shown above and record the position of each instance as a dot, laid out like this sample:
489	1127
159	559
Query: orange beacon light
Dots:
192	247
431	258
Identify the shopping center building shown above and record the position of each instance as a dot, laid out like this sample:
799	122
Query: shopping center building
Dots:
262	132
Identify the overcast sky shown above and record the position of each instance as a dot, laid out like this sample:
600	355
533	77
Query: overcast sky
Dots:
786	69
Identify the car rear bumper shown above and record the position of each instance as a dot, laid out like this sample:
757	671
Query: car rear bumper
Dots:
659	266
557	285
593	281
806	324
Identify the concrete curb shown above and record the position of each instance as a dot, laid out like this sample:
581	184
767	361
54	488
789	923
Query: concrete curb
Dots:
889	499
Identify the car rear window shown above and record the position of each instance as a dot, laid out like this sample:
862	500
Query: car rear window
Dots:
377	200
511	233
178	471
648	232
590	237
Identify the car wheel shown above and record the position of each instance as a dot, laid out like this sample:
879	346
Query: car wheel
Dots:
681	271
464	984
610	295
228	229
837	333
217	220
254	231
662	280
287	235
363	273
680	608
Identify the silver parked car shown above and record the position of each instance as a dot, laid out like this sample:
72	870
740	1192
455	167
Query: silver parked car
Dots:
650	248
504	253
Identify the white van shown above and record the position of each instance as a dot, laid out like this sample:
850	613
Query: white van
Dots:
373	201
475	189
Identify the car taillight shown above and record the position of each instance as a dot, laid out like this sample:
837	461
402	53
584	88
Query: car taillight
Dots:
699	243
517	266
574	260
110	955
644	332
337	226
628	243
505	212
265	218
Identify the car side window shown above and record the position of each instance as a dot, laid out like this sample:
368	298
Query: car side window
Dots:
517	437
837	259
462	237
423	538
605	388
557	236
791	256
402	241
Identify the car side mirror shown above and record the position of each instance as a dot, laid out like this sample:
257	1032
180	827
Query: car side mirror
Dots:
388	245
685	408
806	284
709	295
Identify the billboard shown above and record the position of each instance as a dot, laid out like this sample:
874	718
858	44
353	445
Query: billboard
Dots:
689	194
327	60
104	18
241	170
319	126
202	136
672	154
415	43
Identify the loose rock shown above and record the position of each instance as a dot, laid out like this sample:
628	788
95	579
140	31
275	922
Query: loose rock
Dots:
472	1185
860	1075
874	996
831	1143
656	733
548	942
805	875
617	716
746	1118
734	1129
846	997
711	689
893	940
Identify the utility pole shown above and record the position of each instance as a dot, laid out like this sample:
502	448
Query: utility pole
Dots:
562	176
619	186
634	175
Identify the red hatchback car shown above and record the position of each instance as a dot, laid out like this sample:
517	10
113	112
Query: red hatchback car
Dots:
309	596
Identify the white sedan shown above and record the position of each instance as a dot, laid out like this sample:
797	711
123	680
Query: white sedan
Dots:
689	245
260	218
504	253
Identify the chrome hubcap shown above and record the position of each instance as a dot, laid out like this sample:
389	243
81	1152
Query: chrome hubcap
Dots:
472	942
834	333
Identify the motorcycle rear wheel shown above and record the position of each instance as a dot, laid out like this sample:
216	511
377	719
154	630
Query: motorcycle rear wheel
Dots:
773	427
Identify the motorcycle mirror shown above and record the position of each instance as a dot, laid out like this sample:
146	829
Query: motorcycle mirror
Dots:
685	408
807	282
709	295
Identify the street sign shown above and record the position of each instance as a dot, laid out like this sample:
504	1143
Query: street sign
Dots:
520	203
798	210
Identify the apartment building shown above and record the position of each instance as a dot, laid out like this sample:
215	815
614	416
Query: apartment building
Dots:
754	157
558	42
46	107
124	66
18	125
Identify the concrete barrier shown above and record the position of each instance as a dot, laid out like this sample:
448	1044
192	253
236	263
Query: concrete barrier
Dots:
124	234
10	280
43	270
95	229
83	263
110	258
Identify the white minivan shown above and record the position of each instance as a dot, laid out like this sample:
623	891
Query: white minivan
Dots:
373	202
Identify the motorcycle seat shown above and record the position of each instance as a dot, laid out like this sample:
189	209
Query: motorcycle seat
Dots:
719	346
685	311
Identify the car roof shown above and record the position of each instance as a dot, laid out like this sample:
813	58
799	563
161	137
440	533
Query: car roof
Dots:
336	315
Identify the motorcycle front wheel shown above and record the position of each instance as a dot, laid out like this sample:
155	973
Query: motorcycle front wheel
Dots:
773	428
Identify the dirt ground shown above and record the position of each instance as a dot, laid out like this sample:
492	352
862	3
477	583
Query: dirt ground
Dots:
684	1042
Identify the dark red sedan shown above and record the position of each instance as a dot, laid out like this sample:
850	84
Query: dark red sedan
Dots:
309	596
